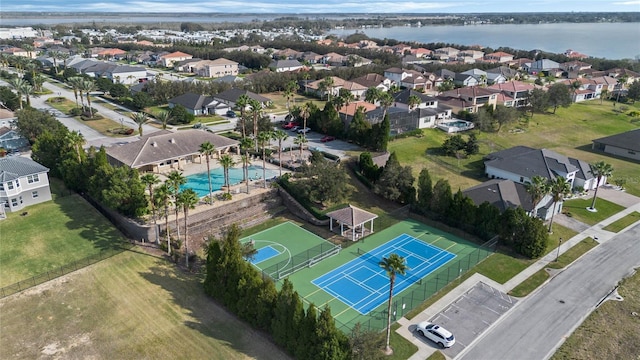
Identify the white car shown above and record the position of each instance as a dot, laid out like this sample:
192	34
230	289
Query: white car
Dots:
303	130
437	334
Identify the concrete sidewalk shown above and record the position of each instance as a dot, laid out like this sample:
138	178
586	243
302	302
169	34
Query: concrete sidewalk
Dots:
596	232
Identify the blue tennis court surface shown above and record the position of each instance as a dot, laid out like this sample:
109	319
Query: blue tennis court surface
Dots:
264	253
364	285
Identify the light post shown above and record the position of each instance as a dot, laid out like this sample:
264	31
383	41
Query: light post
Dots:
558	253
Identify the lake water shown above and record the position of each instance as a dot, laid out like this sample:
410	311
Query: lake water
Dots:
602	40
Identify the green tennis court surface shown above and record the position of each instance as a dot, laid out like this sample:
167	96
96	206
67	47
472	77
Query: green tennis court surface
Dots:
467	254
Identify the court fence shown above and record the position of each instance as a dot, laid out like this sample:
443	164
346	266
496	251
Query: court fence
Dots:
302	260
422	290
63	270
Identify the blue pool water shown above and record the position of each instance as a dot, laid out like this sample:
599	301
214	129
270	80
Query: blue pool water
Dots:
200	182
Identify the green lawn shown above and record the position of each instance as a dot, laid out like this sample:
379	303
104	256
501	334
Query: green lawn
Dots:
530	284
130	306
53	234
402	348
101	124
617	226
569	132
574	253
577	208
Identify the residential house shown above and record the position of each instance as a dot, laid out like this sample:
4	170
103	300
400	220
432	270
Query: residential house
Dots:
11	140
507	72
470	98
374	80
217	68
521	163
164	151
479	75
428	112
589	88
411	79
311	57
23	182
470	56
119	74
545	66
516	92
521	64
334	59
316	87
168	60
285	65
465	80
625	145
502	194
230	97
498	57
16	51
197	104
446	53
357	61
421	52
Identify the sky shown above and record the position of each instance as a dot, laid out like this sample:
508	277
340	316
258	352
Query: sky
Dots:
321	6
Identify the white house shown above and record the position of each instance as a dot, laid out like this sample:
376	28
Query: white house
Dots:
23	182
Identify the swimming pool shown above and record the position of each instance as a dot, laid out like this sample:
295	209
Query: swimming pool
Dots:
455	126
200	182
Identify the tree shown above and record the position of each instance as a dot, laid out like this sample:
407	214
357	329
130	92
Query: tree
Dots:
392	265
537	189
180	114
559	188
142	100
246	144
305	111
396	182
9	99
150	180
118	90
599	170
324	181
162	197
300	140
633	92
227	162
139	118
76	84
326	87
174	180
425	190
442	197
88	86
559	95
163	117
537	100
242	103
256	112
505	115
19	85
386	100
280	136
207	149
372	95
365	344
188	200
264	138
290	93
76	140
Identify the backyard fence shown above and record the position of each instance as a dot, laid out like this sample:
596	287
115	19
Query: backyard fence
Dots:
62	270
421	291
301	260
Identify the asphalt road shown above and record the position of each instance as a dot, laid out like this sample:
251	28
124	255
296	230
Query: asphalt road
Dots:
538	325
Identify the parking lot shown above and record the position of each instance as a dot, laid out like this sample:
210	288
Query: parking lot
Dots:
471	314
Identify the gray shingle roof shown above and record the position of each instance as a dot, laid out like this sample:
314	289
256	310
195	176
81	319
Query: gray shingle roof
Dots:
191	100
529	162
14	167
503	194
233	95
629	140
158	147
351	216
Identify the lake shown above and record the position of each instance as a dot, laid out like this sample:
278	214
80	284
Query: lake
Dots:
602	40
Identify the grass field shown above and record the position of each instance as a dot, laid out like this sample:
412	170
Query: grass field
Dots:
611	331
130	306
624	222
577	208
569	132
53	234
102	124
346	316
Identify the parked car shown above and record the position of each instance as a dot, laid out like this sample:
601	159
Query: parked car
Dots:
441	336
295	128
289	125
327	138
231	114
303	130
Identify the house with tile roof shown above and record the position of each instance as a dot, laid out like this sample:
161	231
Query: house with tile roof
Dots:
23	182
374	80
498	57
164	151
168	60
626	144
516	92
468	98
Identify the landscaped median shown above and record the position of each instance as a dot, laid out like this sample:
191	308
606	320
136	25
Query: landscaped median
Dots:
623	223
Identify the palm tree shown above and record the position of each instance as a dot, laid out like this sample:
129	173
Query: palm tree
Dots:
386	100
31	67
537	188
75	82
207	149
300	140
280	136
18	84
575	86
305	112
38	80
164	117
264	138
161	197
64	56
242	103
559	189
603	94
256	110
372	95
413	102
290	93
622	80
599	170
76	140
326	86
188	200
55	55
174	180
87	86
149	180
245	145
392	265
227	162
139	118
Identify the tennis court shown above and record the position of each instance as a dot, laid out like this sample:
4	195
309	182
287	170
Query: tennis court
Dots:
364	285
286	248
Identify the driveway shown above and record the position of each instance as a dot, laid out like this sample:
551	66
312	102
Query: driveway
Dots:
538	325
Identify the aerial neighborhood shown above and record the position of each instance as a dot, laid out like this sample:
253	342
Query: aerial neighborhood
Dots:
336	197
